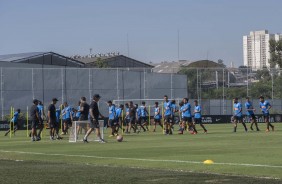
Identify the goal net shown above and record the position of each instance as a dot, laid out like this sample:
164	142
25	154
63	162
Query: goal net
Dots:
79	129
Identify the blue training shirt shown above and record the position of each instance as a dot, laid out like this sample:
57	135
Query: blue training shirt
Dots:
112	112
127	113
173	108
77	114
157	113
67	112
15	117
197	110
249	105
143	111
237	109
40	110
167	108
58	114
264	107
138	111
118	113
187	110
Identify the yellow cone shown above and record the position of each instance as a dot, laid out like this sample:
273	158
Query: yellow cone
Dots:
208	162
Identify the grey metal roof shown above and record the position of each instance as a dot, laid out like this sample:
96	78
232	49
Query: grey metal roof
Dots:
21	57
170	67
15	57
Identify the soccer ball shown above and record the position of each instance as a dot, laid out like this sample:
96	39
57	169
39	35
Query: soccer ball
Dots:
119	138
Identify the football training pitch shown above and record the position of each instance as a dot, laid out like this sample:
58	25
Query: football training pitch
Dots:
253	157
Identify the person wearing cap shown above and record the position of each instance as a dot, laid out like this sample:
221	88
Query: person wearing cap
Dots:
52	118
34	114
14	121
238	118
94	116
265	106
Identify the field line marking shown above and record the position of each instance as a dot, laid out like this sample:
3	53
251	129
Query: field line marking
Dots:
141	159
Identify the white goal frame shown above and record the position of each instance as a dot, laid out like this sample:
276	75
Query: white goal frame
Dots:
73	131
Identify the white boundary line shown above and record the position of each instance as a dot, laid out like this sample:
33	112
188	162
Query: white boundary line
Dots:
140	159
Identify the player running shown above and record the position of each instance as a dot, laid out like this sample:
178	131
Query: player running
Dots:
238	118
94	116
14	122
265	106
198	116
144	114
250	113
157	116
132	117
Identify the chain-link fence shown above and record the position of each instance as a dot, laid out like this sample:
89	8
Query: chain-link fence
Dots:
20	85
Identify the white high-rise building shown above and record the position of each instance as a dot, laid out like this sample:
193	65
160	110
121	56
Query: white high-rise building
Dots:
256	48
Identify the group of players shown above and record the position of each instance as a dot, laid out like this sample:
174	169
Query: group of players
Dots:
130	117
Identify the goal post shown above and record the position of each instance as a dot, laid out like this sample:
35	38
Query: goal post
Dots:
79	129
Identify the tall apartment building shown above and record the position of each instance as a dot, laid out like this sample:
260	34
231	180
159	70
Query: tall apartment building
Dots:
256	48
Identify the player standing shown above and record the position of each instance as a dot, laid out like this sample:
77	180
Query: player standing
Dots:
238	118
167	115
94	119
198	116
186	116
265	106
41	118
67	117
119	118
250	113
14	122
132	116
112	115
35	120
157	116
52	118
144	114
127	119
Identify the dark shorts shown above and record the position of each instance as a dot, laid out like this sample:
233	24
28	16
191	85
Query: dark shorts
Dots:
167	119
83	118
67	121
132	120
198	120
172	118
34	123
187	119
252	116
53	123
157	120
94	123
139	120
113	122
266	115
238	118
126	122
144	119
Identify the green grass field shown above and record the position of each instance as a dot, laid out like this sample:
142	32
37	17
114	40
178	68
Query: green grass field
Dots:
253	157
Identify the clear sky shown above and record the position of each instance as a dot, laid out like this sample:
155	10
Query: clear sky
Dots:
210	29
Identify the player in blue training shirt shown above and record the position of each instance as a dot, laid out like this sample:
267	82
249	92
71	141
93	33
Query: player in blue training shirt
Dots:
127	119
14	122
198	116
144	116
250	113
67	118
139	119
112	115
167	115
157	116
265	106
119	118
186	116
238	118
173	111
41	118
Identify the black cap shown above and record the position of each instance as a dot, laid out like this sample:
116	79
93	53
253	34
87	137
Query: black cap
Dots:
35	101
55	99
97	96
